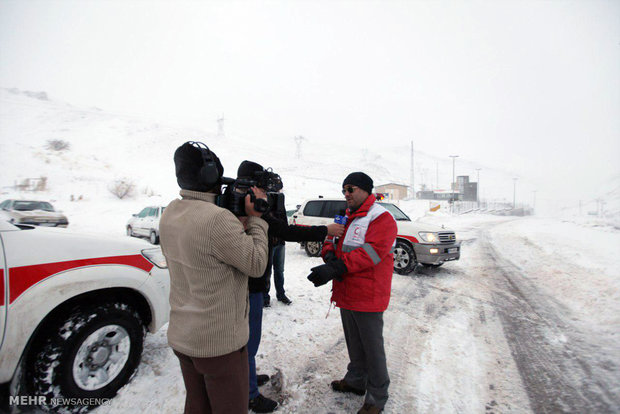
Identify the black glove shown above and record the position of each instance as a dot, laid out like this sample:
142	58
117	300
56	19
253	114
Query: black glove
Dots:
330	256
324	273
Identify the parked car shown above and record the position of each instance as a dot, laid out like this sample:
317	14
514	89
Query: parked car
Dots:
289	215
415	243
37	213
74	310
146	223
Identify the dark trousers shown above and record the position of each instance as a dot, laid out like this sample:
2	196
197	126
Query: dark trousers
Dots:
256	325
216	385
277	258
367	369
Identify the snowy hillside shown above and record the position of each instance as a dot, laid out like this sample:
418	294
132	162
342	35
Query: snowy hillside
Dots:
105	147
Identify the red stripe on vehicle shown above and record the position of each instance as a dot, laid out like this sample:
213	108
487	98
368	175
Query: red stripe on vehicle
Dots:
410	238
23	277
2	287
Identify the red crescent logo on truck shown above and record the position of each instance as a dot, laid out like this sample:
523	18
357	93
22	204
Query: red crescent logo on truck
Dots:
23	277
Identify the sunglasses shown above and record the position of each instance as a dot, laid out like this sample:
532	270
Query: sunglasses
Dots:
349	190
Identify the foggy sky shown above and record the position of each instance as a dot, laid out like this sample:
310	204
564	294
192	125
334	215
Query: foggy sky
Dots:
529	86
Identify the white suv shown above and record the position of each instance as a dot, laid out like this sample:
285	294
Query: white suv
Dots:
146	223
415	243
74	310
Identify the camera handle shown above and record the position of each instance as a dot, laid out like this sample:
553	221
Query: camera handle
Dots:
260	205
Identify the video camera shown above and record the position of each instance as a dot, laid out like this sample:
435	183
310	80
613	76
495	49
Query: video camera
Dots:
233	197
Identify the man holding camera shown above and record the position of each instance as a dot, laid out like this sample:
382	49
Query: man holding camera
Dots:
279	230
210	254
361	265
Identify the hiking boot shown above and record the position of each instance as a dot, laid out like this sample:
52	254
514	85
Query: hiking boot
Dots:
369	409
342	386
266	303
262	379
262	404
285	300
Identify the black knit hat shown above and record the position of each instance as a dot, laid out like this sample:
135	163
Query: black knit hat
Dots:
197	167
360	180
247	169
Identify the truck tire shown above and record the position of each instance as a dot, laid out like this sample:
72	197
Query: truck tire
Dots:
91	353
313	248
404	258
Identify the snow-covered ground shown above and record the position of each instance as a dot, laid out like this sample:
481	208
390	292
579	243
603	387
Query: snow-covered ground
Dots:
526	321
445	338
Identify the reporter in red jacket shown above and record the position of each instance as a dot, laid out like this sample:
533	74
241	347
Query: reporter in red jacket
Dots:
361	265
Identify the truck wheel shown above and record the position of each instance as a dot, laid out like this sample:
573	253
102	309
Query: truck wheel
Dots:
404	258
90	354
129	231
153	237
313	248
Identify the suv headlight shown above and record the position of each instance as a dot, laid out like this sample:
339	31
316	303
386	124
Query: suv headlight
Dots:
156	257
428	236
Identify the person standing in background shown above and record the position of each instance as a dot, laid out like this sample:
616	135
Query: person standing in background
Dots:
279	231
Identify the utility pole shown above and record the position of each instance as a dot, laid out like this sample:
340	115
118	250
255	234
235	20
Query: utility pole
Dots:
412	174
534	205
220	127
454	157
514	193
478	188
298	141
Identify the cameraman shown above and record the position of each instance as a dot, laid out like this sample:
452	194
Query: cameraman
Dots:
279	230
210	256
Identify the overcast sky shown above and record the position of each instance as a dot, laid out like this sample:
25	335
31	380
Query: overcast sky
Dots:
532	86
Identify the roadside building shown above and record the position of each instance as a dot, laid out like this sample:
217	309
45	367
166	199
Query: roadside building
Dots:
439	195
469	190
392	191
462	190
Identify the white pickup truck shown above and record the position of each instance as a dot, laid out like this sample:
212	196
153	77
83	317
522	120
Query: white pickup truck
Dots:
74	310
415	243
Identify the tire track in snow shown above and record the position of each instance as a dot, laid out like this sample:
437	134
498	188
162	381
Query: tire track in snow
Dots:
404	339
561	367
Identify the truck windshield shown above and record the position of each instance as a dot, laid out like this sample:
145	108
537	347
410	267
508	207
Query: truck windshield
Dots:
396	212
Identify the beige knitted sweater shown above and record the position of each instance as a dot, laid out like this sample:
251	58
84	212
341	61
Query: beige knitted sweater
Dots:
210	257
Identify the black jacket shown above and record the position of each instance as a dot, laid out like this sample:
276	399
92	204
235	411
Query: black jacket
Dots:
279	232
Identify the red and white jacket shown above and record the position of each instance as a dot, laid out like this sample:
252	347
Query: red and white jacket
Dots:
366	250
